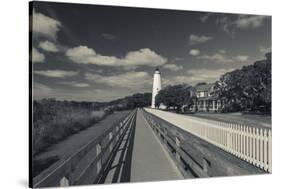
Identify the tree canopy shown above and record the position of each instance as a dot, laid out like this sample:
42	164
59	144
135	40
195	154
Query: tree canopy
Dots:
248	88
174	96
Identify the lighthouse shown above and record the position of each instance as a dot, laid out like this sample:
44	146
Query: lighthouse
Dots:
156	86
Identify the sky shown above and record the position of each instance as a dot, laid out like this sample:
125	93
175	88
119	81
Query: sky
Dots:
101	53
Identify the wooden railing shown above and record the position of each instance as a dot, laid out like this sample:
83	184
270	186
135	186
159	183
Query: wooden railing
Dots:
173	146
61	173
251	144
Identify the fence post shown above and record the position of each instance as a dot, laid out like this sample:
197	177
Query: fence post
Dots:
258	147
261	148
254	146
247	144
269	151
242	142
265	149
251	145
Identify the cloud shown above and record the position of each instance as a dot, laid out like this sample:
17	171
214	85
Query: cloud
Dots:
231	24
37	56
218	57
265	49
108	36
245	22
195	39
205	75
44	25
205	17
75	84
56	73
194	52
142	57
242	58
40	90
173	67
131	79
194	76
221	57
48	46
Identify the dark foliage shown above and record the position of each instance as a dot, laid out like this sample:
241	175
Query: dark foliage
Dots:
174	96
131	102
247	89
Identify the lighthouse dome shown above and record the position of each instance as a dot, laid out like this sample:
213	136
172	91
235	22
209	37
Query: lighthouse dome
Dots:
157	71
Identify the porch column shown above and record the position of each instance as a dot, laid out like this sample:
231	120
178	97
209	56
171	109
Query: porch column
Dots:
204	105
214	105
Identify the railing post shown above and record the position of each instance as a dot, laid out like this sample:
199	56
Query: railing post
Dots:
117	133
64	182
205	165
99	163
177	148
111	141
165	136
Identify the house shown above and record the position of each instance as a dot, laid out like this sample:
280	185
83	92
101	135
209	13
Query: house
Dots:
205	100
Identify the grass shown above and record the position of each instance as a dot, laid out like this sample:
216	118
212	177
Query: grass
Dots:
54	122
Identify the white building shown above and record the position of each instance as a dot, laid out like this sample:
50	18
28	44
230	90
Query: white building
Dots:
156	86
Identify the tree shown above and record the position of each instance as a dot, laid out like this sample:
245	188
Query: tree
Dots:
248	88
174	96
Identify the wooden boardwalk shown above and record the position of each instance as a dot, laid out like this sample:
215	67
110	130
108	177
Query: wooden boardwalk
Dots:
140	157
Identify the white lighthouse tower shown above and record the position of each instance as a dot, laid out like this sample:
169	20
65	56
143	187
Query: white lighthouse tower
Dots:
156	86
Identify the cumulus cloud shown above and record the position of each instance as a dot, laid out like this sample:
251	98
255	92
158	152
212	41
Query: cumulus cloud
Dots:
221	57
196	39
142	57
265	49
45	25
48	46
218	57
242	58
131	79
173	67
56	73
231	24
76	84
205	75
194	76
37	56
194	52
245	22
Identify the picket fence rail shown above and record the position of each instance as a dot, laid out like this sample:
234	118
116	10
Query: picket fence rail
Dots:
251	144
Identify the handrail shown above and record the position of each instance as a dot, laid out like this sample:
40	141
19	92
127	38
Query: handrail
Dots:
64	167
200	168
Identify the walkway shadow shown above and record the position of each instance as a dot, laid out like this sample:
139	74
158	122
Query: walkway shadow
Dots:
119	166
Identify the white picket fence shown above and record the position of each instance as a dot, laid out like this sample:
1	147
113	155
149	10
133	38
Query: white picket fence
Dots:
251	144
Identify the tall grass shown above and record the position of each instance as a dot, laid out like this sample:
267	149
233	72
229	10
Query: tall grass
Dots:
55	120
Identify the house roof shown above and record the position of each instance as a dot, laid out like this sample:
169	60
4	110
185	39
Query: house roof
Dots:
204	87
